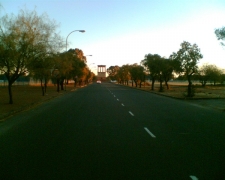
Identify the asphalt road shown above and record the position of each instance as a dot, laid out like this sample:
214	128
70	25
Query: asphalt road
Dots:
107	131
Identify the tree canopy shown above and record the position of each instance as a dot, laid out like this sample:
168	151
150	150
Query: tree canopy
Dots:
220	34
188	57
23	39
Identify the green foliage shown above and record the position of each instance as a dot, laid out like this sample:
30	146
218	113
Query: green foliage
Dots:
160	68
187	57
112	72
151	61
124	73
137	73
24	39
220	34
210	73
222	78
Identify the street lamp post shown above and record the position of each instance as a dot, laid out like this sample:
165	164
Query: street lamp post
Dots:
90	64
84	57
82	31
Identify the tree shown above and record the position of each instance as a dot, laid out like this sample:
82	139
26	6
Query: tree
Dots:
213	73
203	75
168	69
78	64
209	72
152	62
42	71
112	71
188	57
220	34
42	64
222	78
124	74
86	74
19	43
62	67
160	68
161	71
137	74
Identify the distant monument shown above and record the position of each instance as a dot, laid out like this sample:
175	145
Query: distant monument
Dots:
101	72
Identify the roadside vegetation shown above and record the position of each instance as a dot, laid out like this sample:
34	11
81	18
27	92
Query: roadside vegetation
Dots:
30	46
181	65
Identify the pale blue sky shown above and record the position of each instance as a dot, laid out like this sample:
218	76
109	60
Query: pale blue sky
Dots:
122	31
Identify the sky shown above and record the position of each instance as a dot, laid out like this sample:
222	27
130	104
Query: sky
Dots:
120	32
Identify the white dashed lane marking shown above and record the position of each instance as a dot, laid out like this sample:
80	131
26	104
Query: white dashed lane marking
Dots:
193	177
149	132
131	113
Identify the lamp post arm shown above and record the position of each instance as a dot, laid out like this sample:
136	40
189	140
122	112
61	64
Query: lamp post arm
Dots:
71	33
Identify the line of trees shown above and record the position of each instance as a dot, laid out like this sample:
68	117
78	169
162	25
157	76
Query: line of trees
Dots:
184	63
126	73
30	45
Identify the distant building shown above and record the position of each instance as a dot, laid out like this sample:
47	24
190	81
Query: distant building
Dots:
101	72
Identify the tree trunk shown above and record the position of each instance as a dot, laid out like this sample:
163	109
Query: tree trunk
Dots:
153	82
42	88
75	83
161	87
189	87
65	83
132	83
135	83
10	92
58	82
140	84
167	85
61	84
160	83
45	85
204	83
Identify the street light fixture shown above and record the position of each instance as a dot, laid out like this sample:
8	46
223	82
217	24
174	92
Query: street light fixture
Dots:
82	31
90	64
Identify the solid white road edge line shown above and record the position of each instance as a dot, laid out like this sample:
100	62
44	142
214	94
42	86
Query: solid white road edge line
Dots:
149	132
193	177
131	113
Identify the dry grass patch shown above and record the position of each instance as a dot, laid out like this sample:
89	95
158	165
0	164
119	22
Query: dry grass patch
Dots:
25	96
179	90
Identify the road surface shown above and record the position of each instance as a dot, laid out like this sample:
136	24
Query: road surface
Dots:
107	131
